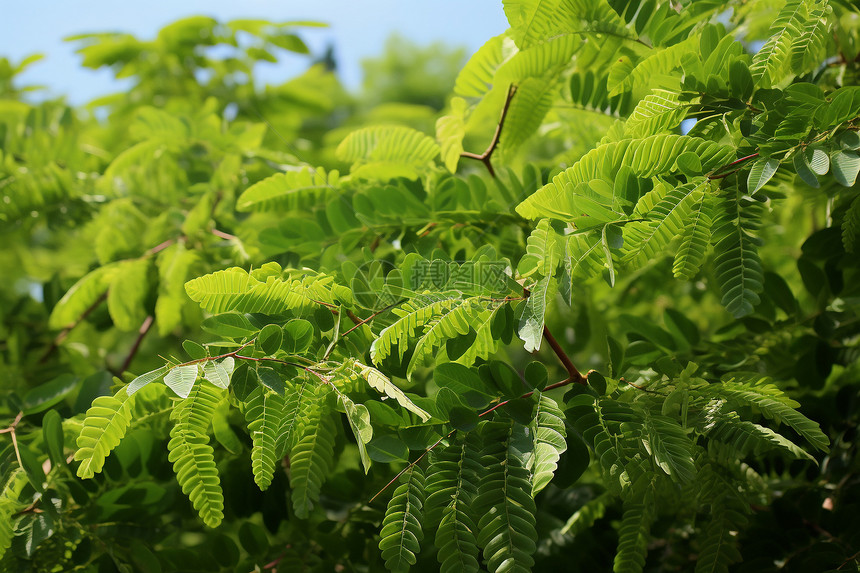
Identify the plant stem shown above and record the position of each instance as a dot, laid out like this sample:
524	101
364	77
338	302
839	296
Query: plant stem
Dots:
144	328
65	332
575	375
488	153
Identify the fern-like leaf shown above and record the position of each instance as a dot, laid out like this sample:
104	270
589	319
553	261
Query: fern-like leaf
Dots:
746	438
655	65
718	547
543	251
549	435
531	320
449	324
310	458
769	63
288	191
192	457
633	539
774	404
737	264
670	447
234	289
451	488
644	241
264	412
83	294
654	155
505	504
14	480
658	112
401	528
694	239
104	426
450	131
584	517
381	383
414	316
385	152
806	50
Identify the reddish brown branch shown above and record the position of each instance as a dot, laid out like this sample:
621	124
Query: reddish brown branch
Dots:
224	235
159	247
575	375
732	164
141	333
65	332
488	153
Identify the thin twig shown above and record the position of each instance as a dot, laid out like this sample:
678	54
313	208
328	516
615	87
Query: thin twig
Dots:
732	164
65	332
141	333
371	317
159	247
575	375
224	235
11	431
488	153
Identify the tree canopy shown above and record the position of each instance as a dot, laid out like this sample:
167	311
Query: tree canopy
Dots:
585	301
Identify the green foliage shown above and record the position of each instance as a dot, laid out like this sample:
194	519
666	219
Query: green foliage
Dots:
470	336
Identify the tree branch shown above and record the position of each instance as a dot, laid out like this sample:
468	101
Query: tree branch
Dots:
11	431
575	375
732	164
144	328
488	153
65	332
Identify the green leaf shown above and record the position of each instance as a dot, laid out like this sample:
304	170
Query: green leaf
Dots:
531	319
632	539
194	350
298	334
401	532
180	379
670	447
49	394
289	191
504	504
386	449
451	487
229	325
244	381
760	173
549	435
846	165
104	426
84	294
192	457
381	383
464	382
264	412
218	373
386	152
234	289
310	457
52	432
737	264
270	338
127	294
359	421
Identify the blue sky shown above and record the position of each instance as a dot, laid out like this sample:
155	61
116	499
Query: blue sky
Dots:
358	29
